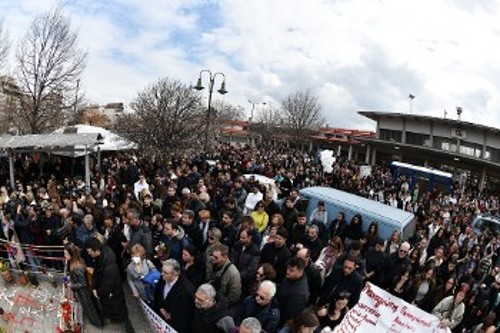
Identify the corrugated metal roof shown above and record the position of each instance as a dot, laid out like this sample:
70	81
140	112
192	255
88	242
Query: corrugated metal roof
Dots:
47	140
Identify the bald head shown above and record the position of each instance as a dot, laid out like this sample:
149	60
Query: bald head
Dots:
304	254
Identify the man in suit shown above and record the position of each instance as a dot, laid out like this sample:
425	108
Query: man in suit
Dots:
174	297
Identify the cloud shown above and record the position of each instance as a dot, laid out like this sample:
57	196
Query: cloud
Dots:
353	54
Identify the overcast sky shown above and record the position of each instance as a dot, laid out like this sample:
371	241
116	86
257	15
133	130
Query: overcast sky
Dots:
353	54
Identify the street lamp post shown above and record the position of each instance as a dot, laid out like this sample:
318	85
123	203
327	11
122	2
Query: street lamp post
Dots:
253	108
222	91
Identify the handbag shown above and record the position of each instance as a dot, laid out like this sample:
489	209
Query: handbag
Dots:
151	279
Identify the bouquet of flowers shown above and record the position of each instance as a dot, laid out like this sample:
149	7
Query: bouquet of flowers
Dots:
162	251
6	272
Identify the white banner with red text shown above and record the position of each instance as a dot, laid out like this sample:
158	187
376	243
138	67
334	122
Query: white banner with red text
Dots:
157	322
380	312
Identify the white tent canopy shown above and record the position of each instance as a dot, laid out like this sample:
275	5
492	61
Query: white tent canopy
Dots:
111	141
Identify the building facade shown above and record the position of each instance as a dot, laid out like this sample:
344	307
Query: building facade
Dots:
461	147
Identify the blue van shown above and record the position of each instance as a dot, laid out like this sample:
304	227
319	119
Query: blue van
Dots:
482	222
388	218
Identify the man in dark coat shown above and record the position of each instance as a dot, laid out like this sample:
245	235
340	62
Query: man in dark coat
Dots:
262	306
169	199
313	275
50	223
397	262
277	253
312	241
289	213
245	255
140	233
191	228
107	284
211	312
228	229
343	278
174	297
293	292
297	231
376	261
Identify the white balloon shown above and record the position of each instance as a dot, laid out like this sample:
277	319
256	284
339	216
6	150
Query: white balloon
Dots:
327	160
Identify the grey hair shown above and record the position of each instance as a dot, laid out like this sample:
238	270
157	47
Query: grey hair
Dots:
269	286
314	226
405	245
252	324
174	264
88	218
208	290
135	213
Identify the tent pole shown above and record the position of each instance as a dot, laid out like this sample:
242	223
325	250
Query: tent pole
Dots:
11	171
87	168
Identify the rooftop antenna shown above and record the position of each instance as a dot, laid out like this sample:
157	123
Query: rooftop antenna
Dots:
411	97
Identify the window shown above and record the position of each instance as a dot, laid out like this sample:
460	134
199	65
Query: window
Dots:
417	139
471	149
390	135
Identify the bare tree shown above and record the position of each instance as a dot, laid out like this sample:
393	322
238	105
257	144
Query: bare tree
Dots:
49	68
268	124
302	112
4	47
168	118
226	111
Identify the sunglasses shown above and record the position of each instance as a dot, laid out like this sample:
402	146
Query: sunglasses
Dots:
344	295
262	298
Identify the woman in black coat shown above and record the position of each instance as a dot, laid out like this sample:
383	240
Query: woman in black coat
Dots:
193	265
401	284
354	229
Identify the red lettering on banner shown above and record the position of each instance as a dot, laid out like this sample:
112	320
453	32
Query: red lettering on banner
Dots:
369	309
404	324
379	300
370	321
362	317
410	316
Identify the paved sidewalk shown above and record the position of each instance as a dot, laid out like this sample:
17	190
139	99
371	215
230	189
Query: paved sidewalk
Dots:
135	312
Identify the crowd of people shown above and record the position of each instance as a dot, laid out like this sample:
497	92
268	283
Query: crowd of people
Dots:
233	254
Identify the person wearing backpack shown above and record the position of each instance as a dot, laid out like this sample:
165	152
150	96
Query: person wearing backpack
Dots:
223	275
